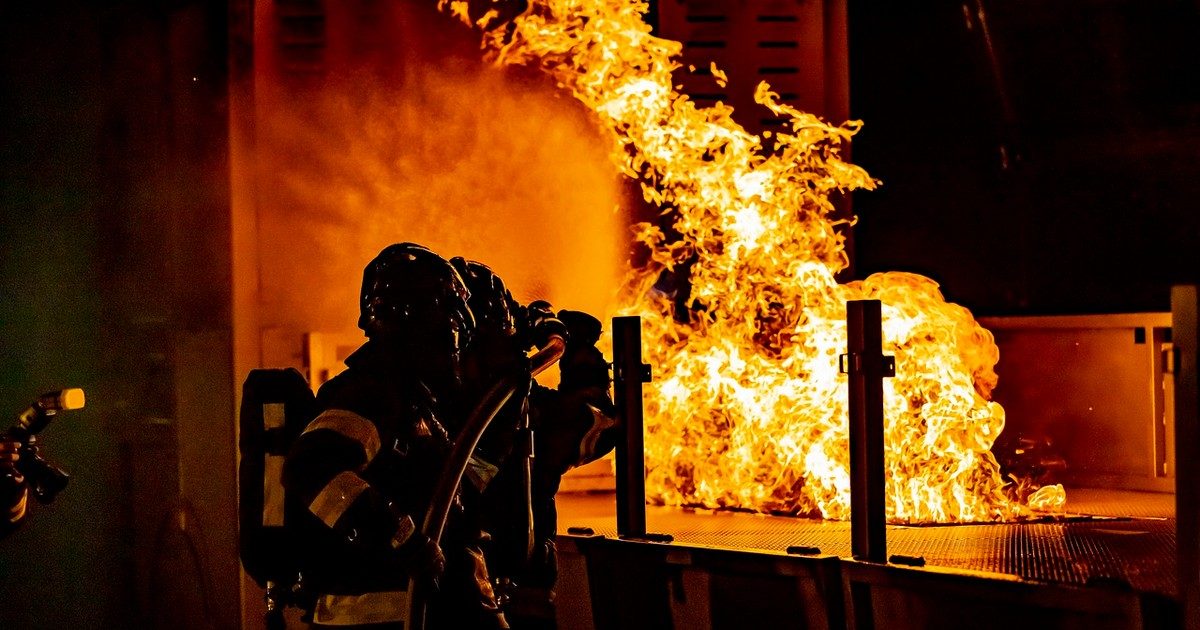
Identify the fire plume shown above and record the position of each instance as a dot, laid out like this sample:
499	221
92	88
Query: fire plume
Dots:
742	313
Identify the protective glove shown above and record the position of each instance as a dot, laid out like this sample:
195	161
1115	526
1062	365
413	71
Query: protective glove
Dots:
425	557
583	365
540	323
584	328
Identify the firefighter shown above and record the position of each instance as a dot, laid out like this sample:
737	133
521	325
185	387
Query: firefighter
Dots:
497	350
366	466
14	492
572	425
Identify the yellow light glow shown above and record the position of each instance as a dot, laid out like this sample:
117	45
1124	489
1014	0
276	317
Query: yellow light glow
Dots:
73	398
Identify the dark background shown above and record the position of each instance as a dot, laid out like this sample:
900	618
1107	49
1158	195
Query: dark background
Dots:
113	264
1097	103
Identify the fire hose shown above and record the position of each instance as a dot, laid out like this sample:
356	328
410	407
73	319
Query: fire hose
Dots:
456	464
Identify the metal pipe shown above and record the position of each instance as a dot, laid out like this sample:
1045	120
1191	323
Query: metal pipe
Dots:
628	375
1184	332
866	366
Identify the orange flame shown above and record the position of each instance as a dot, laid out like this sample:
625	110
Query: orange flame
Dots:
748	409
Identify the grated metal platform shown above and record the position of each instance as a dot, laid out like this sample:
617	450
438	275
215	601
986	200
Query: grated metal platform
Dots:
1131	541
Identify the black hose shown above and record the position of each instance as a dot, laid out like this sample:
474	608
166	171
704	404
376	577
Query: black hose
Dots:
456	464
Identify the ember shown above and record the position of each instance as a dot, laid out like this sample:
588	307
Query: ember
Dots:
748	409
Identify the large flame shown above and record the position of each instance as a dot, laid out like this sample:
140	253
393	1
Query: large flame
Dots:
748	409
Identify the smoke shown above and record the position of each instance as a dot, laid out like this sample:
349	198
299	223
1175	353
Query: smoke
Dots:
464	159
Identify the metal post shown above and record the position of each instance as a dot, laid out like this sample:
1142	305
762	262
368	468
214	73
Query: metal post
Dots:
1184	332
866	367
628	375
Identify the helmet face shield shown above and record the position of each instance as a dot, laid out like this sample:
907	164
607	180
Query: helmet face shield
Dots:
436	324
415	302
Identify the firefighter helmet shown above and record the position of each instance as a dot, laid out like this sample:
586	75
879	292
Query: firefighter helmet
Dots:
491	302
414	299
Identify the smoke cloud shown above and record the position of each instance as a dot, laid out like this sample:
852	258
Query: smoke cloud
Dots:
462	158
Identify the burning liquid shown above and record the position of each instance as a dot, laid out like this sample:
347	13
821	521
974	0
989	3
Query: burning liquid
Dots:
748	409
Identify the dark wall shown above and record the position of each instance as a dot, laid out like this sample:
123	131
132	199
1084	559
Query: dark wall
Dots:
113	261
70	561
1091	207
